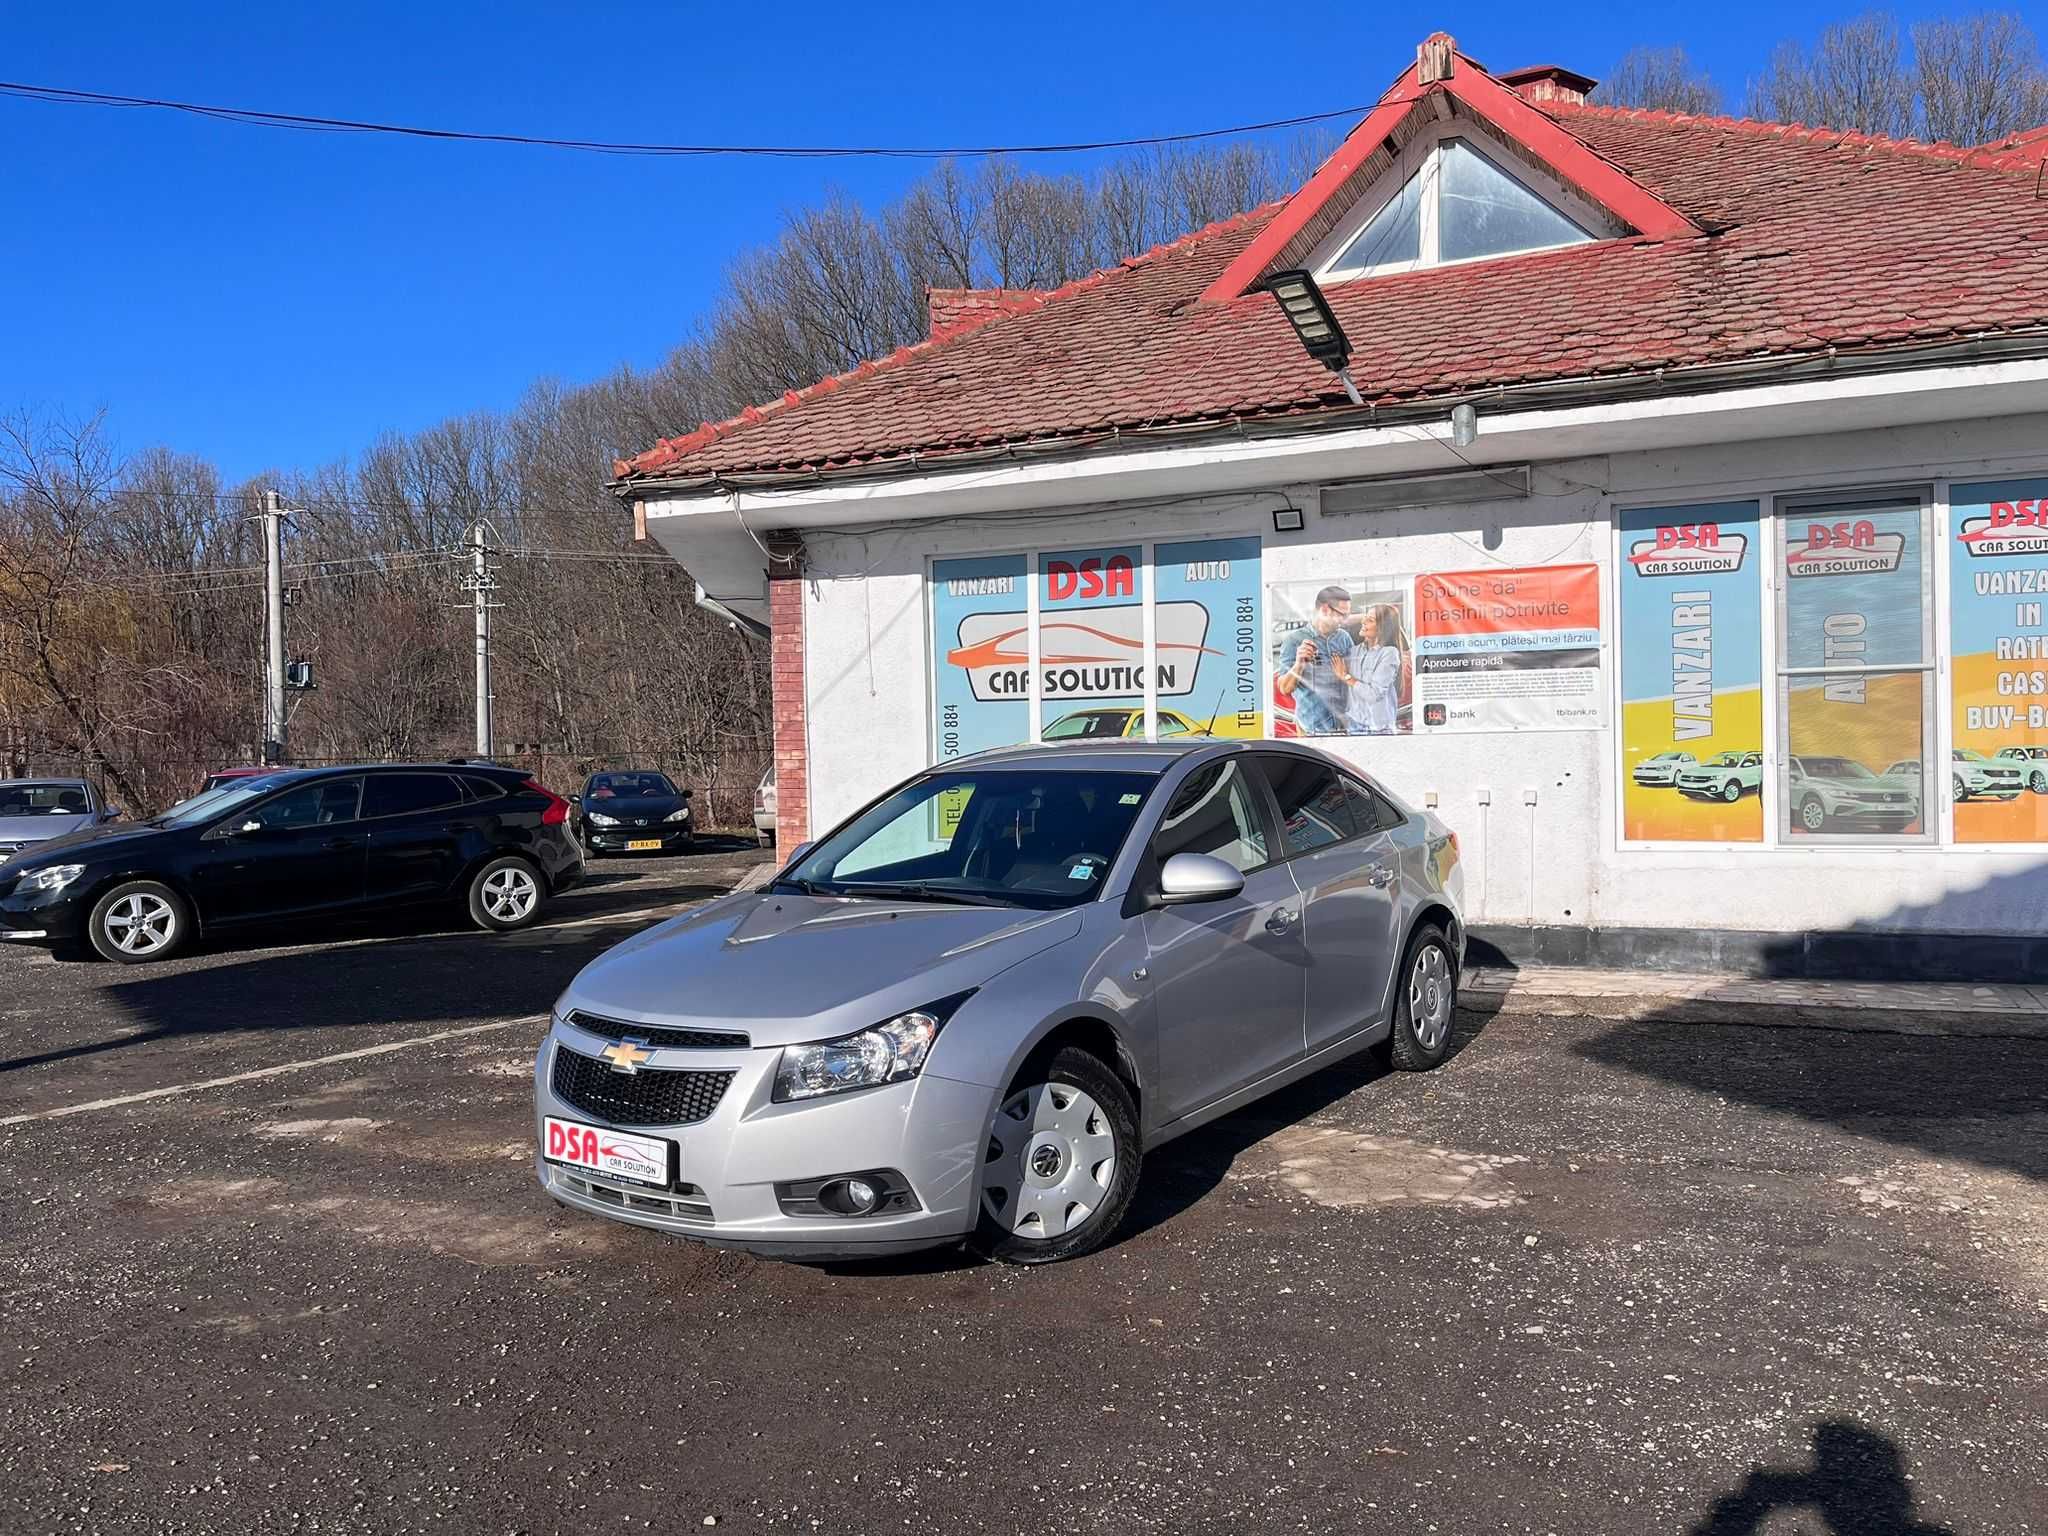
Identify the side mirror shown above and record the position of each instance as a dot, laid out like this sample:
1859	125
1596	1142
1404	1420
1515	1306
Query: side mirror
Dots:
798	854
114	813
688	792
1190	877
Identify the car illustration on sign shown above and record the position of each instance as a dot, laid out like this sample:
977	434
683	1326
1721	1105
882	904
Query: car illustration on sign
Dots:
1840	794
1726	776
1663	769
1973	774
1085	724
2032	762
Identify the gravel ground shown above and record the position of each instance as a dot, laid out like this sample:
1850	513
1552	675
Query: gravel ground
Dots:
1593	1275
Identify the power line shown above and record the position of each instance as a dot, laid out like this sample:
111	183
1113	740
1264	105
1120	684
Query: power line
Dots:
305	123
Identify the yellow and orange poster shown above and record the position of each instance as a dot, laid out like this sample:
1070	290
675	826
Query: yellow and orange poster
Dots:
1998	586
1691	674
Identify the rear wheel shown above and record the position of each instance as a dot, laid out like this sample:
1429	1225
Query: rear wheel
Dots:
505	894
1426	1004
138	921
1061	1162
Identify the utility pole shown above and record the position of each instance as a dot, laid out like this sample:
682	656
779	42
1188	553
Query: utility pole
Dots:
273	628
480	583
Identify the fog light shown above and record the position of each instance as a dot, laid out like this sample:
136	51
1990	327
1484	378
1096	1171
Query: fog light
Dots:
860	1194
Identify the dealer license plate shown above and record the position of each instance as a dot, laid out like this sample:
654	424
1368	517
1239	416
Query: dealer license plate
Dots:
615	1154
640	844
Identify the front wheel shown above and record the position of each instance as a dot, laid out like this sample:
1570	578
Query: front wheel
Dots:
505	895
1061	1163
1426	1003
1731	791
2038	782
1812	814
139	920
1960	792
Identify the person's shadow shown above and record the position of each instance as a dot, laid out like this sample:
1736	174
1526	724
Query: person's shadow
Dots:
1857	1485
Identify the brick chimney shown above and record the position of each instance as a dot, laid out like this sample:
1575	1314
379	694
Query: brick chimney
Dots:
1548	85
961	309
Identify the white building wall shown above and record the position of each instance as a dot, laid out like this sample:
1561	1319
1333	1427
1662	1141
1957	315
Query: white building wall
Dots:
1535	811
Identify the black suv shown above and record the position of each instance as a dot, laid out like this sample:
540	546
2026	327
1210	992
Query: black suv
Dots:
293	846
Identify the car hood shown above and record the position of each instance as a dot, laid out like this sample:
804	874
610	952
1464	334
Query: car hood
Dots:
108	838
790	968
36	829
650	808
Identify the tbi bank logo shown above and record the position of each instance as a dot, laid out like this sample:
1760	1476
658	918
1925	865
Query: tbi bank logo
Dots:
1689	549
2007	528
1843	549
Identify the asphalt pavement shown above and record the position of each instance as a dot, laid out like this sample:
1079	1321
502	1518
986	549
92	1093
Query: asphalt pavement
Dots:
276	1261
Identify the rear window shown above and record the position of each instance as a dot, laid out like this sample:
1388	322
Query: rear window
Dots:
1314	808
481	788
43	800
398	794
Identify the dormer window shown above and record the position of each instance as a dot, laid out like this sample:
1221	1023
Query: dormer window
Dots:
1454	201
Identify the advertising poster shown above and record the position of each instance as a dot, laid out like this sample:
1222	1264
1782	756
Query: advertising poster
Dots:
1508	649
1854	597
1219	694
1998	583
1343	664
1091	642
981	658
1692	657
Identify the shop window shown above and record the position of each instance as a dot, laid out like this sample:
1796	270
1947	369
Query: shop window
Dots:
1855	669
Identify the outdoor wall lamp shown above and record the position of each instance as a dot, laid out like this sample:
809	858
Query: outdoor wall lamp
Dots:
1315	325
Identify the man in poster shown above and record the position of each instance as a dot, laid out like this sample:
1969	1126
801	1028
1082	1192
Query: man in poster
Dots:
1318	679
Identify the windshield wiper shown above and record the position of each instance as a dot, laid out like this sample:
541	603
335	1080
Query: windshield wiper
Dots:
800	886
919	890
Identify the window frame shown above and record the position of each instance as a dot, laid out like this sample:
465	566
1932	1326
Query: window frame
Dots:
316	785
1420	159
1785	507
1264	810
454	780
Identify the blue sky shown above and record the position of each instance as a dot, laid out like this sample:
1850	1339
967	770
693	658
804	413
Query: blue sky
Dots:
271	299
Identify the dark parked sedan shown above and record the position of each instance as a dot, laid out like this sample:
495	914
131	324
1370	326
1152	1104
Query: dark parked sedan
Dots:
301	846
634	813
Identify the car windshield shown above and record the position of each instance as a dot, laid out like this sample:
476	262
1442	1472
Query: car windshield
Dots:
1088	722
1969	755
1726	760
630	786
1026	837
1672	757
1835	768
43	800
210	803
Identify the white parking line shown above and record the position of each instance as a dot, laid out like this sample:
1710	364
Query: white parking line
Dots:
261	1072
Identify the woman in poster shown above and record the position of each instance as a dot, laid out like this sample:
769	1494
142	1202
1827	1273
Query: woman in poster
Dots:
1379	673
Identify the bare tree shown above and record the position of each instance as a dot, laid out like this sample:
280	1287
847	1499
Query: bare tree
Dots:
1979	77
1663	79
1856	78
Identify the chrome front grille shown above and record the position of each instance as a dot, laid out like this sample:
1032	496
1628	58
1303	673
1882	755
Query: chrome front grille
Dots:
682	1202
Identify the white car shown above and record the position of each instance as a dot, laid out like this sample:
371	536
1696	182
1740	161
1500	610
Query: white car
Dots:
1662	770
1973	774
764	809
2032	763
1839	794
1726	776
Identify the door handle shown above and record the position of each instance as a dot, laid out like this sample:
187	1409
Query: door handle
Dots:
1379	876
1280	921
337	844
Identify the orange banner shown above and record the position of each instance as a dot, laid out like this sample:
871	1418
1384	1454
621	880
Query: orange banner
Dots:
1508	600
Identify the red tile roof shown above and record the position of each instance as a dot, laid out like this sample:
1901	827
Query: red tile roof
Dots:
1813	239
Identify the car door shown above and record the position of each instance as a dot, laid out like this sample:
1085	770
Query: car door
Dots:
299	852
419	833
1227	976
1348	869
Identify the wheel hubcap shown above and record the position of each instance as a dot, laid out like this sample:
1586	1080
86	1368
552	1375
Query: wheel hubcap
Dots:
140	924
1430	998
1051	1160
510	894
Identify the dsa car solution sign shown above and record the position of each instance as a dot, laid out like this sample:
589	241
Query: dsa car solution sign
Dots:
1691	674
1508	649
1998	593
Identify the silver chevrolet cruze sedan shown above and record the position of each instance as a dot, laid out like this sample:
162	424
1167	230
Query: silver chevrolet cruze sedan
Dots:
968	1011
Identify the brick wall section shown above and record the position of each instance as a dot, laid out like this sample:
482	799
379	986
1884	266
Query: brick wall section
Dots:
786	671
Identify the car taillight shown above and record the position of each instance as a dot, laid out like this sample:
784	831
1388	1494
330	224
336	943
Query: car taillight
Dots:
558	808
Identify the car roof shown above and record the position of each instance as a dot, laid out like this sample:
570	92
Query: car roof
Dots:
45	783
1125	754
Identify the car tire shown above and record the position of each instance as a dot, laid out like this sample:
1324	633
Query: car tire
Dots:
1057	1110
2038	782
1960	792
1731	791
1813	815
1425	1003
506	895
139	921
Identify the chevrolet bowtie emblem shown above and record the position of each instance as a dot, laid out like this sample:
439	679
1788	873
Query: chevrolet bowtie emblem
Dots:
626	1055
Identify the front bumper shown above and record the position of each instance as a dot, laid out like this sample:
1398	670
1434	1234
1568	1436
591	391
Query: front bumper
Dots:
617	839
42	917
1651	778
728	1164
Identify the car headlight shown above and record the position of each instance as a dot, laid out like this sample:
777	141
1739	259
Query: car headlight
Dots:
888	1052
599	819
682	815
54	878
